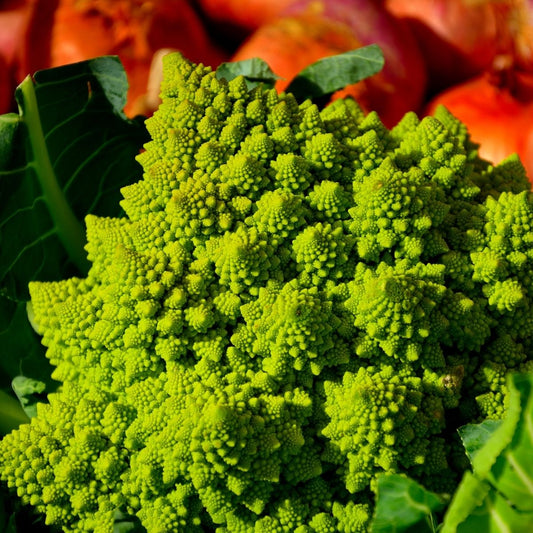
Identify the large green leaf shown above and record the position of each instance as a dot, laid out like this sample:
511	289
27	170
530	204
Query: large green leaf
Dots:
497	497
22	354
66	154
477	506
11	415
512	471
18	518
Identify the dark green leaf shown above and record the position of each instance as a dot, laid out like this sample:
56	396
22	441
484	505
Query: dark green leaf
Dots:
404	505
332	73
498	495
478	507
7	521
8	126
475	436
67	154
11	525
254	70
512	472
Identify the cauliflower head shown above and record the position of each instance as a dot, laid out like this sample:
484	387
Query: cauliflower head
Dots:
295	301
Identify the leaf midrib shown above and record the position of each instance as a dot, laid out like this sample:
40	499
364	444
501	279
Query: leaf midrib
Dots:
69	229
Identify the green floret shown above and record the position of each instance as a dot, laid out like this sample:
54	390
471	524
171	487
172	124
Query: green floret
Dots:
243	260
379	423
295	301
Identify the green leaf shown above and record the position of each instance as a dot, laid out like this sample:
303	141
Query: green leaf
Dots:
475	436
404	505
254	70
498	495
8	126
332	73
512	472
66	154
10	526
7	520
478	507
485	457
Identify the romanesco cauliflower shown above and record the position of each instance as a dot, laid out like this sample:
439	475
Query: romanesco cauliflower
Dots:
296	300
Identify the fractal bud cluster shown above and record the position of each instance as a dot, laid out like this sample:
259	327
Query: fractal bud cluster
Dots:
295	301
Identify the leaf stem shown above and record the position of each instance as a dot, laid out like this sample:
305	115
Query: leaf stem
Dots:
69	229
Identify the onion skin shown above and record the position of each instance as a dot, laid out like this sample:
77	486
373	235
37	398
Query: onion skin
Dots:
312	29
458	38
521	28
132	29
13	19
244	17
7	102
24	45
14	16
498	117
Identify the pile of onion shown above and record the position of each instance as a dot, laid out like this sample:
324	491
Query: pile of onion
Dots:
58	32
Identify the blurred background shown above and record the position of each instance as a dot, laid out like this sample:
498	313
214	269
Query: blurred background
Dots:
474	56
